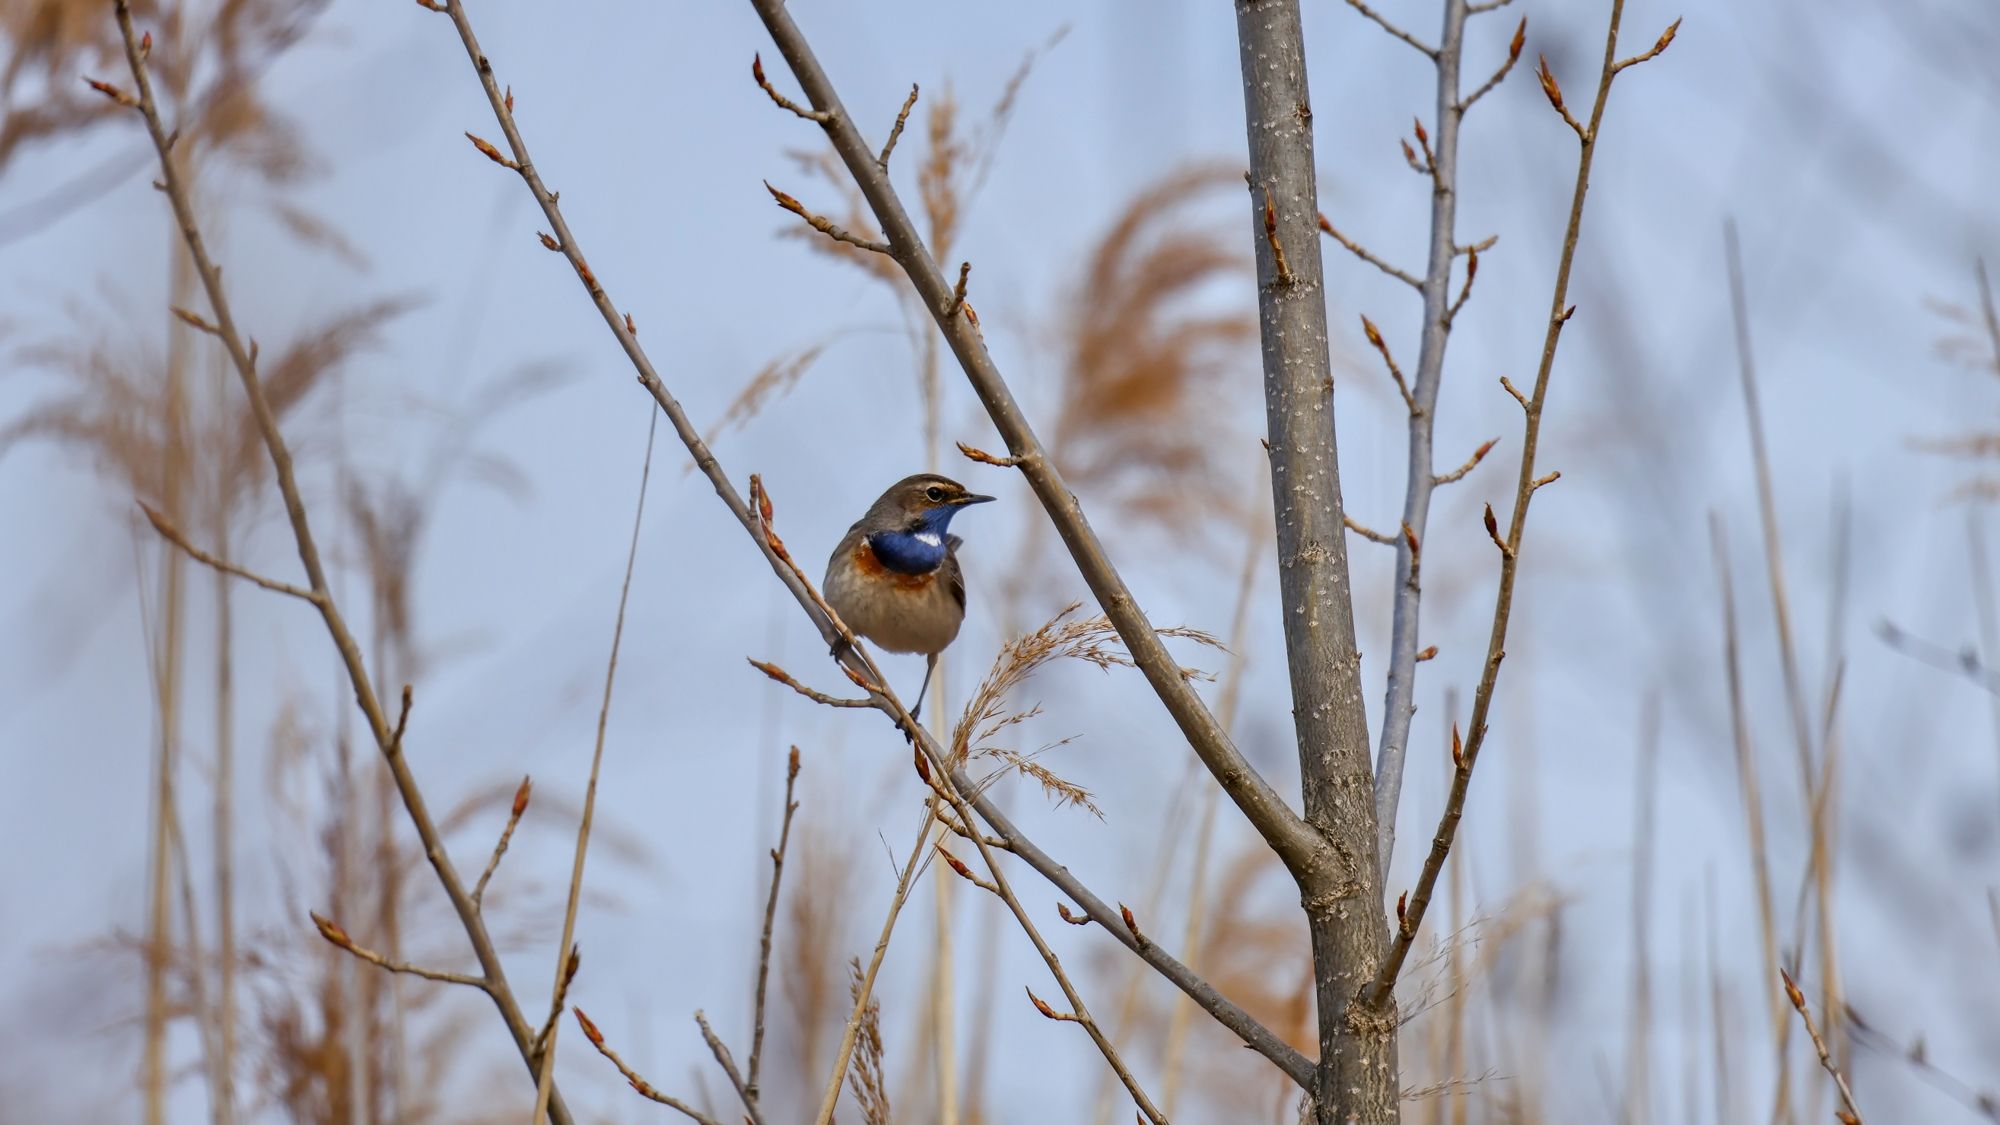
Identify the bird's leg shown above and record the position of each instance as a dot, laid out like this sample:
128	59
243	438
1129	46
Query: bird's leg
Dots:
930	665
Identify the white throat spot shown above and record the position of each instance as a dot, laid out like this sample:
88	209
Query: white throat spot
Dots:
928	538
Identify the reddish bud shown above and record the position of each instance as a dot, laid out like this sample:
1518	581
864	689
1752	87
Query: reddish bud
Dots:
1549	84
331	931
1667	37
508	101
590	1031
1423	138
1131	923
1520	38
1457	749
1792	992
631	327
1063	911
792	765
521	795
1373	333
1428	654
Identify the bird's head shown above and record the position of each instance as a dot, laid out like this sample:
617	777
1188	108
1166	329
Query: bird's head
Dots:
921	504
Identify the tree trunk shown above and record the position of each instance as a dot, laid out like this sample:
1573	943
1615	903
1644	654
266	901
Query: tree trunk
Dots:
1357	1079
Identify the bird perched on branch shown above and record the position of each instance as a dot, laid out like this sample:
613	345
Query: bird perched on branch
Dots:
895	578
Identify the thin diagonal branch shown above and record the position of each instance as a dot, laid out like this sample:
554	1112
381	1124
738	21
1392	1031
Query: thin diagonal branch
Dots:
1397	32
337	936
770	920
720	1050
506	836
639	1084
565	950
173	535
1362	252
1527	483
242	358
1853	1114
814	694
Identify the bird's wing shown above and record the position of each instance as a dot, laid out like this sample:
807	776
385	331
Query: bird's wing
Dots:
845	547
954	578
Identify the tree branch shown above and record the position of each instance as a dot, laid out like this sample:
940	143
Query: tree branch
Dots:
640	1085
770	920
566	949
173	535
337	936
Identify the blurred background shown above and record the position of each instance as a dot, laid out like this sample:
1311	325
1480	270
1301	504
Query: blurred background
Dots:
186	777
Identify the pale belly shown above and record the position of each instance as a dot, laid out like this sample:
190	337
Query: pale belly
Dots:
897	613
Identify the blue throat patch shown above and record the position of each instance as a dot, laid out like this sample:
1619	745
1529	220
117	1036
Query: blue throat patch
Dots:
917	551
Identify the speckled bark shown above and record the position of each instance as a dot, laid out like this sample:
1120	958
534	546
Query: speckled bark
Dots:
1357	1078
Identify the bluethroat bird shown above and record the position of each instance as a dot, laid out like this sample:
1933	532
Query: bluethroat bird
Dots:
895	578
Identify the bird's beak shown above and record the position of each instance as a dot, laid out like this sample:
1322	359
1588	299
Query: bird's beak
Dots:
973	498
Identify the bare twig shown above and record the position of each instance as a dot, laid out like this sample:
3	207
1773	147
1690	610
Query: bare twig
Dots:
1471	463
817	696
1852	1116
1553	90
1513	56
1428	50
172	535
332	932
967	873
770	920
1282	268
242	358
506	835
644	1088
720	1050
896	130
1362	252
1374	335
757	72
1526	485
565	963
986	458
1369	533
824	225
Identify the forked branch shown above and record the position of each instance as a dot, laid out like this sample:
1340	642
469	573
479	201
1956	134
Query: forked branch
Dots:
1465	757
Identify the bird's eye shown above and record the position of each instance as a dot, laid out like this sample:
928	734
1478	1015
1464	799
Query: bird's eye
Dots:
934	494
